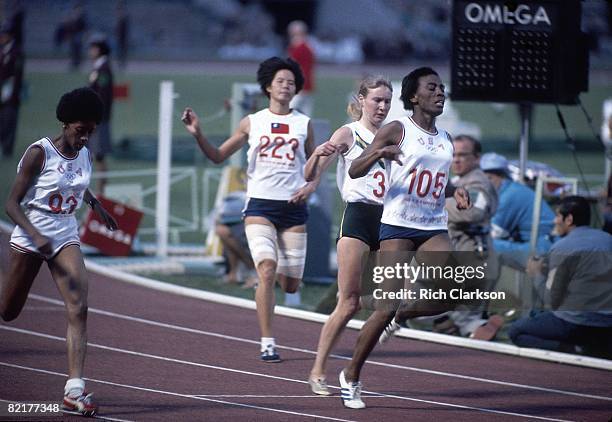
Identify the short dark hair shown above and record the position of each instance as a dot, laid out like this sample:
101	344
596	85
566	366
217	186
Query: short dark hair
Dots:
80	105
578	207
102	45
476	146
269	67
410	84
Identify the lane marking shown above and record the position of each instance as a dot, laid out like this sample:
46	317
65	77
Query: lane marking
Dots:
171	393
271	396
495	347
312	352
221	368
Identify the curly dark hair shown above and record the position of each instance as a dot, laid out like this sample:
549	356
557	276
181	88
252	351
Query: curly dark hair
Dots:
410	84
80	105
269	67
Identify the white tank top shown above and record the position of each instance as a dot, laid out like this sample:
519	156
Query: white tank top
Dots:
415	196
62	182
276	155
370	188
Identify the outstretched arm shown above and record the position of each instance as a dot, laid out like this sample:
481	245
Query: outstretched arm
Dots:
227	148
327	152
385	145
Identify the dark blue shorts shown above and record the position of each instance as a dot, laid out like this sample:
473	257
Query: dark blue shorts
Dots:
387	231
281	214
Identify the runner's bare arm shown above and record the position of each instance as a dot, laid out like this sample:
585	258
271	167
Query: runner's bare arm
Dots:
385	145
227	148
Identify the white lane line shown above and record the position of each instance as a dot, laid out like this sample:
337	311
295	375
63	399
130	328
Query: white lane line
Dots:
238	371
271	396
312	352
171	393
44	308
58	414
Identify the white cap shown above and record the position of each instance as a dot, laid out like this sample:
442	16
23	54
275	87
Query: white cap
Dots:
492	161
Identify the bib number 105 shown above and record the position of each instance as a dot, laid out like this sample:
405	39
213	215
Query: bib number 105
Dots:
420	182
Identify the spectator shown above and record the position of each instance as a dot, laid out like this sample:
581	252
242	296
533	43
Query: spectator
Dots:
229	226
101	81
300	51
73	30
606	136
469	231
11	78
122	33
607	214
511	224
580	279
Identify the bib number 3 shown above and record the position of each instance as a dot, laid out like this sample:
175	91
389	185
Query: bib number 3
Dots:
379	192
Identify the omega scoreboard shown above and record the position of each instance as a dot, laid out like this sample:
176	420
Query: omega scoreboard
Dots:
518	51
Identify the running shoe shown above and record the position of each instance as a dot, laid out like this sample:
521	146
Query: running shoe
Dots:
84	404
319	386
270	356
350	393
390	329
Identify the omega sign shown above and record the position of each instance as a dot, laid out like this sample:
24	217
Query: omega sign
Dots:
523	14
112	243
118	235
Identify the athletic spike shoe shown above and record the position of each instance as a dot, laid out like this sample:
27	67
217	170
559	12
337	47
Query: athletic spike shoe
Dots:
319	386
270	356
84	404
350	393
390	329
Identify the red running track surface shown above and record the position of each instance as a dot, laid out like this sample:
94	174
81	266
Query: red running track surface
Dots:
156	356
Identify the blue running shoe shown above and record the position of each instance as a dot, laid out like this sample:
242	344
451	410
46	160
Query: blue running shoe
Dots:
270	356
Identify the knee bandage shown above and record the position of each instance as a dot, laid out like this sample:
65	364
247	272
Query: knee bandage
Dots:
291	254
262	242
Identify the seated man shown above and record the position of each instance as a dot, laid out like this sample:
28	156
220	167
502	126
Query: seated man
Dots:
230	229
579	282
511	224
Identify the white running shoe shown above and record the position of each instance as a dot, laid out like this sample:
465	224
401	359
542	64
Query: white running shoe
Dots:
319	386
350	393
390	329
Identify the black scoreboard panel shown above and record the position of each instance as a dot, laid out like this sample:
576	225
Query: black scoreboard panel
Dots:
512	51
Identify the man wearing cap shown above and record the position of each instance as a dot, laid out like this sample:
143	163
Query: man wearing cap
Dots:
101	81
511	224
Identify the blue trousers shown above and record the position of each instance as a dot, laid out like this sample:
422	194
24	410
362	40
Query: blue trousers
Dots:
544	330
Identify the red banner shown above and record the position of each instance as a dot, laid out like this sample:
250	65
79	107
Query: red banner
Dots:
114	243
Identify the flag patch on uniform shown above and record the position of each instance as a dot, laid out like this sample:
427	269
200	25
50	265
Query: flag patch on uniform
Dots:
280	128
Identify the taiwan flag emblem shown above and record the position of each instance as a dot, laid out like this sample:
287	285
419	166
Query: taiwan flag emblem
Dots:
280	128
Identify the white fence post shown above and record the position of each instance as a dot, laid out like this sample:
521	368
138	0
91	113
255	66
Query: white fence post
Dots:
164	160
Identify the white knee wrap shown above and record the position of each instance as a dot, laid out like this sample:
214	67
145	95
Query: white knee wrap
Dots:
291	254
262	242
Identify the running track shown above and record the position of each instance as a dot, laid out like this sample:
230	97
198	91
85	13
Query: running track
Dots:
156	356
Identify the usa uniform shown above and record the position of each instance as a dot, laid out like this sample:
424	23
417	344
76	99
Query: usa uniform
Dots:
51	202
415	198
275	170
364	195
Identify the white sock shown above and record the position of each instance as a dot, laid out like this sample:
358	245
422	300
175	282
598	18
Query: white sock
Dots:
74	387
267	343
